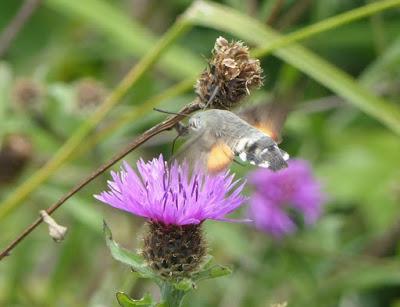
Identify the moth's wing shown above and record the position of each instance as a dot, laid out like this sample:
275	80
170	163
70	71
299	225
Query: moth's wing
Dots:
192	152
219	157
212	157
267	117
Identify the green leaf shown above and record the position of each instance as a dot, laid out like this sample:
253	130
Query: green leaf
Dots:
184	285
6	77
125	301
226	19
125	256
211	270
208	262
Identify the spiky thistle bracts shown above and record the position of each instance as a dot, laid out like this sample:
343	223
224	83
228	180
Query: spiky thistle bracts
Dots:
174	251
230	76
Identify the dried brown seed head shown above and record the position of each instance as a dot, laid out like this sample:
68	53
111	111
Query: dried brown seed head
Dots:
15	153
230	76
26	93
89	94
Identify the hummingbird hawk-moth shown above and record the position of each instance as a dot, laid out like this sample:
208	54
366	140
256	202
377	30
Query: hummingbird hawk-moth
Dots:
218	136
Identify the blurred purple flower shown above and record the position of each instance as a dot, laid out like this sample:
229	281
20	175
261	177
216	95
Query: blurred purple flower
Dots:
168	194
278	193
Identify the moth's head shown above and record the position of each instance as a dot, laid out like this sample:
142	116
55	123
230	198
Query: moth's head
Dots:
196	122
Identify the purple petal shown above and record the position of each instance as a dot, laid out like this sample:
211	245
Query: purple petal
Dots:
170	195
293	187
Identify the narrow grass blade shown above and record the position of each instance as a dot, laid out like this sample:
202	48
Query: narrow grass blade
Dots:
128	34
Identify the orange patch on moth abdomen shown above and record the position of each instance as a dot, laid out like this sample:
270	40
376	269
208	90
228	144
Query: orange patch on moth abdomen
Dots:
219	158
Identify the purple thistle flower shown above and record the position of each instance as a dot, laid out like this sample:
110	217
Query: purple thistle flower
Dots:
276	193
168	194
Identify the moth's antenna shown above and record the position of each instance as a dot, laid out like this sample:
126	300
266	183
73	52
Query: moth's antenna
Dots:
179	128
213	94
169	112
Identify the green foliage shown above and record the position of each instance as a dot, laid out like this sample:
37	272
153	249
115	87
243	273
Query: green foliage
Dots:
135	261
338	61
125	301
129	35
211	270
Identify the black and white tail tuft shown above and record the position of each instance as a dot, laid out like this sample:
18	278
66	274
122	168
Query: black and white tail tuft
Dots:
264	154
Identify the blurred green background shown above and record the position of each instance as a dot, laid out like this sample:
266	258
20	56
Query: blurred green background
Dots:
346	88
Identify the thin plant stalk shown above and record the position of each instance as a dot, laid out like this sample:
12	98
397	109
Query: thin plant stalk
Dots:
170	296
10	32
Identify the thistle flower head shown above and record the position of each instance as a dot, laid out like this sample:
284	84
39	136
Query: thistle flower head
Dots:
169	195
26	93
175	205
277	194
230	76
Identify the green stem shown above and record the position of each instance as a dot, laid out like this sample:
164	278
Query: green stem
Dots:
171	297
78	137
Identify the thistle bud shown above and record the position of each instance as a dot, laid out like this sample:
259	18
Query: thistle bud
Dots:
230	76
15	153
26	93
89	94
174	251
